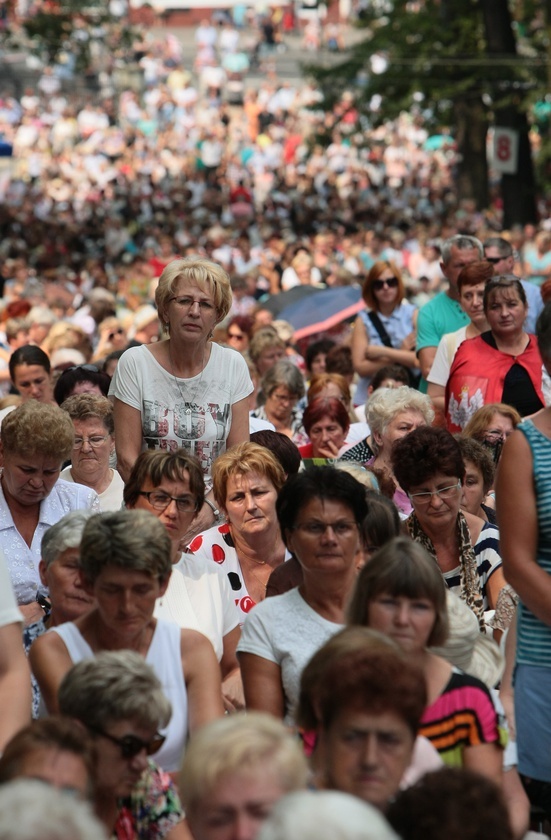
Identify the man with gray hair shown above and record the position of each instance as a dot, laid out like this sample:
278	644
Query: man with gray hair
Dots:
443	314
501	254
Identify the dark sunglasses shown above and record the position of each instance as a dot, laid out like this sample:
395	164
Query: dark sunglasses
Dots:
392	283
130	745
112	335
92	368
496	260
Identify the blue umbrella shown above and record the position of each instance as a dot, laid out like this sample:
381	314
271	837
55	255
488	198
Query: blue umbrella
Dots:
323	310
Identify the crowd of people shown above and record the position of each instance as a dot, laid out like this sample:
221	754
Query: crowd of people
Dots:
238	566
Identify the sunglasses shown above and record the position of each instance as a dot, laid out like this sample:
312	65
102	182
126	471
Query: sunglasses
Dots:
112	335
496	260
391	282
130	745
91	368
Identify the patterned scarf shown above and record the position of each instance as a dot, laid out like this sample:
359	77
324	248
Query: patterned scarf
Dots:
471	592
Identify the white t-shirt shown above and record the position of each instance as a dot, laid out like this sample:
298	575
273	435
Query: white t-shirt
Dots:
111	498
192	413
446	350
286	631
199	597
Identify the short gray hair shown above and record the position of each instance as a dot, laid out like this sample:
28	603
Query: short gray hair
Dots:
128	539
31	809
286	374
386	403
116	685
325	815
462	243
67	533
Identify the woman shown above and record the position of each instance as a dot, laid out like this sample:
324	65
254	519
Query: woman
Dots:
491	425
326	423
523	493
81	379
282	386
239	332
335	385
479	478
120	701
401	593
30	374
94	443
393	413
470	286
171	486
500	365
385	332
248	547
112	337
320	512
59	574
429	466
266	349
125	565
36	440
234	771
185	390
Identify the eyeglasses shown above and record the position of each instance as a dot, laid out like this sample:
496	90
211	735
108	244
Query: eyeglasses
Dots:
496	260
205	306
237	336
95	441
493	435
160	501
282	398
317	529
112	335
391	282
425	497
130	745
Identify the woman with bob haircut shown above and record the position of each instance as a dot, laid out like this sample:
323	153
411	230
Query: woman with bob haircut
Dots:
320	512
121	703
186	390
94	443
326	423
125	565
266	348
36	439
385	332
170	485
234	772
429	466
81	379
248	546
400	592
282	386
479	478
502	364
392	413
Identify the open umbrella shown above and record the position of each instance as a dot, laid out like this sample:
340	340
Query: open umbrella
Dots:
325	309
277	303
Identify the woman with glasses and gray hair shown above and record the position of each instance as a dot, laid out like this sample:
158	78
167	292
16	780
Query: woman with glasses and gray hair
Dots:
119	700
125	566
502	365
282	387
94	443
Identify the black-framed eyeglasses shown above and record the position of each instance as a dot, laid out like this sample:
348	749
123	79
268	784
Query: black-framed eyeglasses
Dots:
160	500
130	745
391	282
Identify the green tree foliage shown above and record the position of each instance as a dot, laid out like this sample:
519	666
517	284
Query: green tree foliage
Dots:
438	62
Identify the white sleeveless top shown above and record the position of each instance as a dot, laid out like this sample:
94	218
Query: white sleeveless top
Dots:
164	656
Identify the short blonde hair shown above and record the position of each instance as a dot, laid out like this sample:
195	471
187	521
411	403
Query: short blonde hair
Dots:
263	339
383	406
208	275
242	459
236	744
36	428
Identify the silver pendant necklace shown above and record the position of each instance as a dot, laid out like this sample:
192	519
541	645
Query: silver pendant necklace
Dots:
191	398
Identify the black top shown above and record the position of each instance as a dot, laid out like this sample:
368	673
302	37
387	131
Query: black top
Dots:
518	390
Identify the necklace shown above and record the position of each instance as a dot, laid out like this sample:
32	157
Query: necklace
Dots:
261	582
190	399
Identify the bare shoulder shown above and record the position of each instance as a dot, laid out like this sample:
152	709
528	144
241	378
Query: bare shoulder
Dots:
192	642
